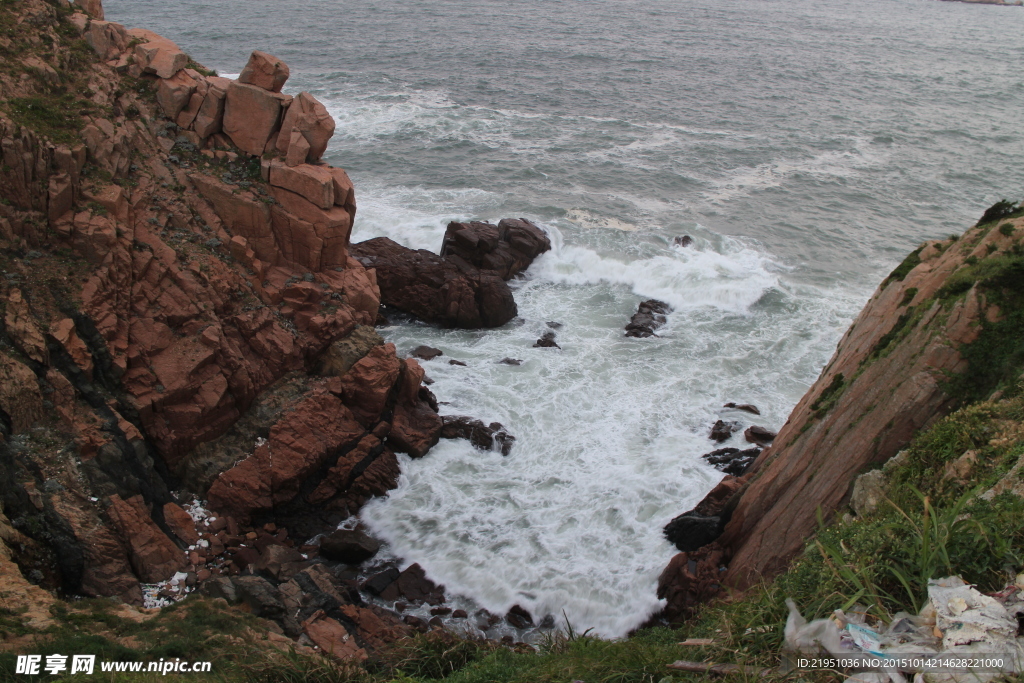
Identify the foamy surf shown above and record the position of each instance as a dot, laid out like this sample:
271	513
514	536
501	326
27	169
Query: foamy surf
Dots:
609	429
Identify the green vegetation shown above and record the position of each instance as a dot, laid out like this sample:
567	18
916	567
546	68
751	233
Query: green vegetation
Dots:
1000	210
900	272
57	117
829	396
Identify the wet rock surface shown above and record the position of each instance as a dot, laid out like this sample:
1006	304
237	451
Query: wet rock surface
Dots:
485	437
547	340
732	461
722	430
437	290
507	248
649	316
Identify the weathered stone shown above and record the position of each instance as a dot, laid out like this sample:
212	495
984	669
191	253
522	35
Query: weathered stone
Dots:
153	555
350	546
298	148
210	118
314	183
507	248
481	436
759	435
174	93
180	523
264	71
157	55
434	288
723	430
107	38
310	119
251	116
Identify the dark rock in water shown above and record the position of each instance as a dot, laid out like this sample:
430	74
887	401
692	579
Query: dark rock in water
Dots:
732	460
746	407
427	380
548	621
426	352
445	291
459	614
547	340
722	430
414	586
507	248
481	436
690	531
759	435
377	583
456	362
436	622
554	325
440	611
511	361
350	546
382	320
519	617
649	316
683	241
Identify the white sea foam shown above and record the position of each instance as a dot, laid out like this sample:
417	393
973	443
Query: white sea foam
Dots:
609	429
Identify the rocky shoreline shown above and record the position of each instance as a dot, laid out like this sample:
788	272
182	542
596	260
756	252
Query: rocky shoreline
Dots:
184	319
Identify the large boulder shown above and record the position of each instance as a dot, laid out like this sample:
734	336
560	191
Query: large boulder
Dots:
210	117
507	248
436	289
265	71
251	115
310	119
351	546
155	54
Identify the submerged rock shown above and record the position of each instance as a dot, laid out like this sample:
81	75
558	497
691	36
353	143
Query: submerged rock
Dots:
483	437
649	316
722	430
683	241
426	352
547	340
745	407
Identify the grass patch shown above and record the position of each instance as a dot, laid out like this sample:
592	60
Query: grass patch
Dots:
57	117
828	397
900	272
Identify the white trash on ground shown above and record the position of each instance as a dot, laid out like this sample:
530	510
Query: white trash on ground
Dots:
960	636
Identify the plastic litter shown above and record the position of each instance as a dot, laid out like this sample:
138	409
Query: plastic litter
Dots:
957	622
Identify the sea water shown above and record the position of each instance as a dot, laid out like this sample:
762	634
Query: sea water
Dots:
805	146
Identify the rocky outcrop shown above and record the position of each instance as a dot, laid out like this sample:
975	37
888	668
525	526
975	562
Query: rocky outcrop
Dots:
177	308
436	289
507	248
898	369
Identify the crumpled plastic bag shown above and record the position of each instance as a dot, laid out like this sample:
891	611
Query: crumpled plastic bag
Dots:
956	620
